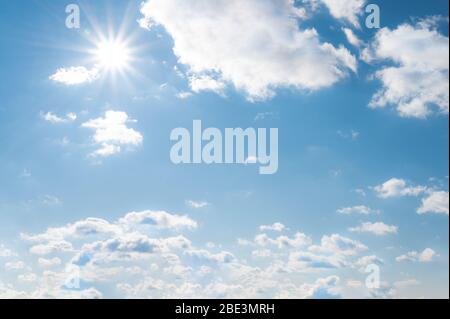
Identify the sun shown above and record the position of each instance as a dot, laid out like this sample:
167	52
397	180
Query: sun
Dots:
112	55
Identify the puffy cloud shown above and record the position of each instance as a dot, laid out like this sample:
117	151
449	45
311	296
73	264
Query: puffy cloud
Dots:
348	10
420	80
436	202
159	219
378	228
299	240
111	132
361	209
427	255
51	247
339	245
257	46
398	187
134	256
278	227
75	75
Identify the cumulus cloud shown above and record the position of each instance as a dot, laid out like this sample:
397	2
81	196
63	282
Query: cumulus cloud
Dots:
278	227
378	228
339	245
299	240
427	255
360	209
75	75
159	219
137	255
347	10
436	202
396	187
420	79
112	133
256	46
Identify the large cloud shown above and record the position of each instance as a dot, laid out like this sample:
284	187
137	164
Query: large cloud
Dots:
256	45
419	80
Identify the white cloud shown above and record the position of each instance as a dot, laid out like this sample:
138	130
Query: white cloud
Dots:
436	202
136	256
159	219
378	228
352	38
183	95
256	46
14	265
427	255
339	245
197	204
348	10
396	187
75	75
361	209
111	133
278	227
420	80
299	240
206	83
55	119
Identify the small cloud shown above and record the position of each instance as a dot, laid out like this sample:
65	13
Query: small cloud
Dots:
183	95
363	210
427	255
55	119
206	83
278	227
111	133
75	75
378	228
197	204
396	187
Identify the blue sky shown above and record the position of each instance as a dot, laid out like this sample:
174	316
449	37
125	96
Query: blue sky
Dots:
363	149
